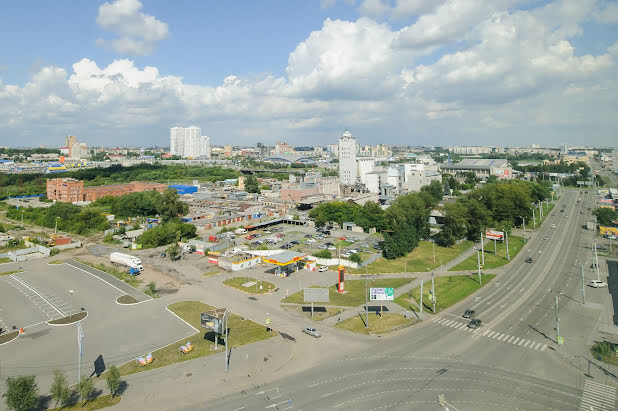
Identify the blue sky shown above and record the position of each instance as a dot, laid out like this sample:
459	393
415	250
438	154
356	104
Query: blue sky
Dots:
505	72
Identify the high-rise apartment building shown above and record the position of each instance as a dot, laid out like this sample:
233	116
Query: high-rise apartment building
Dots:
189	142
347	159
615	160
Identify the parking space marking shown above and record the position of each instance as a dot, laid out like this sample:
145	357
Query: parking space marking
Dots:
49	303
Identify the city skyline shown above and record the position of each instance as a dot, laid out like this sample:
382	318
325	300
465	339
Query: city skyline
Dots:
440	73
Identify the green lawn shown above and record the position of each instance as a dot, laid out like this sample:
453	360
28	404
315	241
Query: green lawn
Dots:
11	272
5	260
102	401
260	287
546	213
355	292
449	290
606	351
377	324
491	260
242	332
132	280
418	260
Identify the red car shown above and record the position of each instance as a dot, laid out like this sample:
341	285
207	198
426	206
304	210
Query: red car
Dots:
250	237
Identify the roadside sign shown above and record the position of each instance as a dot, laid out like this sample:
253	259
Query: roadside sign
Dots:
316	295
494	235
267	321
430	297
381	294
213	320
560	340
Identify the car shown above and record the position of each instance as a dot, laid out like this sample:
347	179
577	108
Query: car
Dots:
562	211
256	243
312	332
601	247
553	226
310	241
294	242
545	238
308	236
468	313
328	243
566	216
581	212
163	255
267	232
286	246
593	265
326	232
364	245
474	323
597	284
346	255
529	259
332	248
322	268
250	237
322	247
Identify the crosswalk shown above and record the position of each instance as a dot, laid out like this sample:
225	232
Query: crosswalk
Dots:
598	397
498	336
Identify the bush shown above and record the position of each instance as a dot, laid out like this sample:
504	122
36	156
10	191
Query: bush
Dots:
323	254
356	258
54	251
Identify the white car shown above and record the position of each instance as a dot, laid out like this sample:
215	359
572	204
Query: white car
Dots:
597	284
553	226
310	241
322	268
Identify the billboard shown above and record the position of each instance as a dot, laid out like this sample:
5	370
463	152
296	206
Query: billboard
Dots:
381	294
316	295
608	230
213	320
494	235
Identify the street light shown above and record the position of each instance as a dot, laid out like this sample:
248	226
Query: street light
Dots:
558	338
56	226
22	219
71	292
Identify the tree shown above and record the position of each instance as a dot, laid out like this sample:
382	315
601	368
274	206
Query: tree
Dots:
22	393
85	387
60	388
171	206
323	254
435	189
454	224
356	258
251	184
113	380
605	216
173	251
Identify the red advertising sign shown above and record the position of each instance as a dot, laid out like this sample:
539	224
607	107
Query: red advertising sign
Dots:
494	235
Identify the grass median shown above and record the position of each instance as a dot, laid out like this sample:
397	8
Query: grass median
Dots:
11	272
102	401
132	280
250	285
449	290
418	260
493	260
355	291
242	332
378	324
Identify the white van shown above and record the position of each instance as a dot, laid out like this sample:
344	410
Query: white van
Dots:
240	231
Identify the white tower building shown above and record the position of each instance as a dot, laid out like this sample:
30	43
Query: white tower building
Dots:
189	142
347	159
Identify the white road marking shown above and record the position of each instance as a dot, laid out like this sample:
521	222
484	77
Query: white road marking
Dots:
536	347
521	342
544	346
511	339
515	342
526	344
492	333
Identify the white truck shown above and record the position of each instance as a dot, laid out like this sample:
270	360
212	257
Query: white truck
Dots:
126	260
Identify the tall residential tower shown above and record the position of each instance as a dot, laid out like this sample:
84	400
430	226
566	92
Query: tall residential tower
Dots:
347	159
189	142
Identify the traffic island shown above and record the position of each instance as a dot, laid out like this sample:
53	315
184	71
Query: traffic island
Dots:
126	300
493	260
250	285
378	323
242	332
605	351
449	290
11	272
8	337
355	294
319	312
69	319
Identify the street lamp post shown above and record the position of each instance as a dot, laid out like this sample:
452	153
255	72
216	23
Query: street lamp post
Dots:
71	292
56	225
533	219
22	219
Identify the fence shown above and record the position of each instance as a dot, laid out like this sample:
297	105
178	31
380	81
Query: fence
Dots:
20	255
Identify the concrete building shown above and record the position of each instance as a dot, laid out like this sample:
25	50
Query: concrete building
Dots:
70	190
482	168
395	177
365	165
66	190
188	142
347	159
564	149
284	148
615	160
419	178
374	180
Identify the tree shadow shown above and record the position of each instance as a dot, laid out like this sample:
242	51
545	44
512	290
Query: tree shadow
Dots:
122	387
44	402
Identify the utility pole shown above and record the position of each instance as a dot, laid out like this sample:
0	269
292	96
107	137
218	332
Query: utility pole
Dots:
508	257
433	294
478	264
367	304
524	220
557	318
434	251
421	302
80	345
482	250
227	337
583	286
533	219
596	262
495	247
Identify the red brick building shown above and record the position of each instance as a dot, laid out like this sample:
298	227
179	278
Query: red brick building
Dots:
70	190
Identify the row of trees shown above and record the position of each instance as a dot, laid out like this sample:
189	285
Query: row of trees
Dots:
167	233
67	216
499	205
606	216
147	203
22	392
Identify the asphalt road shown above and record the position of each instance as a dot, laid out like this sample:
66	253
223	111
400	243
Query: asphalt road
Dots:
511	362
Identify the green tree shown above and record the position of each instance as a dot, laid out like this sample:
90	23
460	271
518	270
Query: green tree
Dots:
85	387
454	224
323	254
171	206
173	251
60	388
22	393
356	258
251	184
113	380
606	216
435	189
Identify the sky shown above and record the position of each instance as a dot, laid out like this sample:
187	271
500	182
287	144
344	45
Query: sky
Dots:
409	72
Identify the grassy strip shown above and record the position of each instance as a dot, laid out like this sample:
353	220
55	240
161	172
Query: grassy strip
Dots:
385	323
102	401
4	338
418	260
69	319
126	299
56	262
320	315
121	275
546	212
492	260
11	272
241	332
449	290
5	260
606	351
355	291
210	272
260	287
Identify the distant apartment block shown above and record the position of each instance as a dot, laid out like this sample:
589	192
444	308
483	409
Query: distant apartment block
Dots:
482	168
188	142
70	190
347	159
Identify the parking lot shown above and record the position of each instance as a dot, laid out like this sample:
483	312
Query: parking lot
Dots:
117	332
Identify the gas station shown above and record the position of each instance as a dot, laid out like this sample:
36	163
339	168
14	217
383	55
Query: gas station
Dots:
288	262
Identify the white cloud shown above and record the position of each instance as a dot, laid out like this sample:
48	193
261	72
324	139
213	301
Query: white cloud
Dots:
138	32
407	8
373	8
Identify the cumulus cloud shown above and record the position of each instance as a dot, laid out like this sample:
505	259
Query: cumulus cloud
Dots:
138	33
373	8
517	74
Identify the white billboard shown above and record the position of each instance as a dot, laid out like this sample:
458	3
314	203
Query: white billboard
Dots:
381	294
494	235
